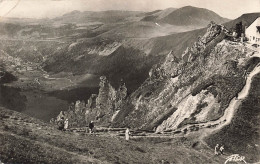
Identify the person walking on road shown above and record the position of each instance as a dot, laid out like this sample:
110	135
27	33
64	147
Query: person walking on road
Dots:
66	124
127	134
221	149
61	124
217	149
91	126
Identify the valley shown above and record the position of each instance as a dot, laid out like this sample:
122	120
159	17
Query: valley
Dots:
182	79
61	55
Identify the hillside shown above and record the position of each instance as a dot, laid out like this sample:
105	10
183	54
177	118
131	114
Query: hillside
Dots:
157	14
186	16
242	134
27	140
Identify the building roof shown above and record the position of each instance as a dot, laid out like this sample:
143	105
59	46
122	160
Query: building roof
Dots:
254	28
256	22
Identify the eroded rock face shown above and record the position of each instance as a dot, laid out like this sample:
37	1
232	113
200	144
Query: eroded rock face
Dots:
106	95
191	90
121	96
92	101
215	33
99	108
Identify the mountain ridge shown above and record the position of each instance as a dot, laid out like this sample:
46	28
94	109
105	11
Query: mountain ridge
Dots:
187	15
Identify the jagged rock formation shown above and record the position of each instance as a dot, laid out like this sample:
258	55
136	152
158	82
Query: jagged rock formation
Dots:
92	101
121	95
100	108
106	96
194	89
215	33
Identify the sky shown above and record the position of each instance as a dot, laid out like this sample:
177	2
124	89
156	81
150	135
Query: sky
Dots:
53	8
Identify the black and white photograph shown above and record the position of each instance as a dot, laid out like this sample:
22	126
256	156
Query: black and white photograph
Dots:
129	81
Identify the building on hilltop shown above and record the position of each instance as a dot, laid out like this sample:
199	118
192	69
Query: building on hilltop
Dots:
253	32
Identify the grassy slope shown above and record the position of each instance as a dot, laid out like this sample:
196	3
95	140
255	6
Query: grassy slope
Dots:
27	140
175	42
192	16
242	135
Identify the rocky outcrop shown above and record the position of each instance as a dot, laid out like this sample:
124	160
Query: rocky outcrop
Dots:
99	108
173	65
191	90
92	101
215	33
106	96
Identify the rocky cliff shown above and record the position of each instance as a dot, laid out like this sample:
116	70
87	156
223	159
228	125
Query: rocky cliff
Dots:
194	89
100	108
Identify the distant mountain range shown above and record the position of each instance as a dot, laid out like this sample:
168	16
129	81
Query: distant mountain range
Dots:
117	44
128	51
185	16
111	16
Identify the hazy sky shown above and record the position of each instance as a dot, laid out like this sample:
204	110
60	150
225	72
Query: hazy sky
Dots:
52	8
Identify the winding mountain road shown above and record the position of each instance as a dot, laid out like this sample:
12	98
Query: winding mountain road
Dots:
236	102
216	125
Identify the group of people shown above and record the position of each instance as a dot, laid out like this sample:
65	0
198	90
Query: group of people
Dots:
219	150
92	130
63	125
